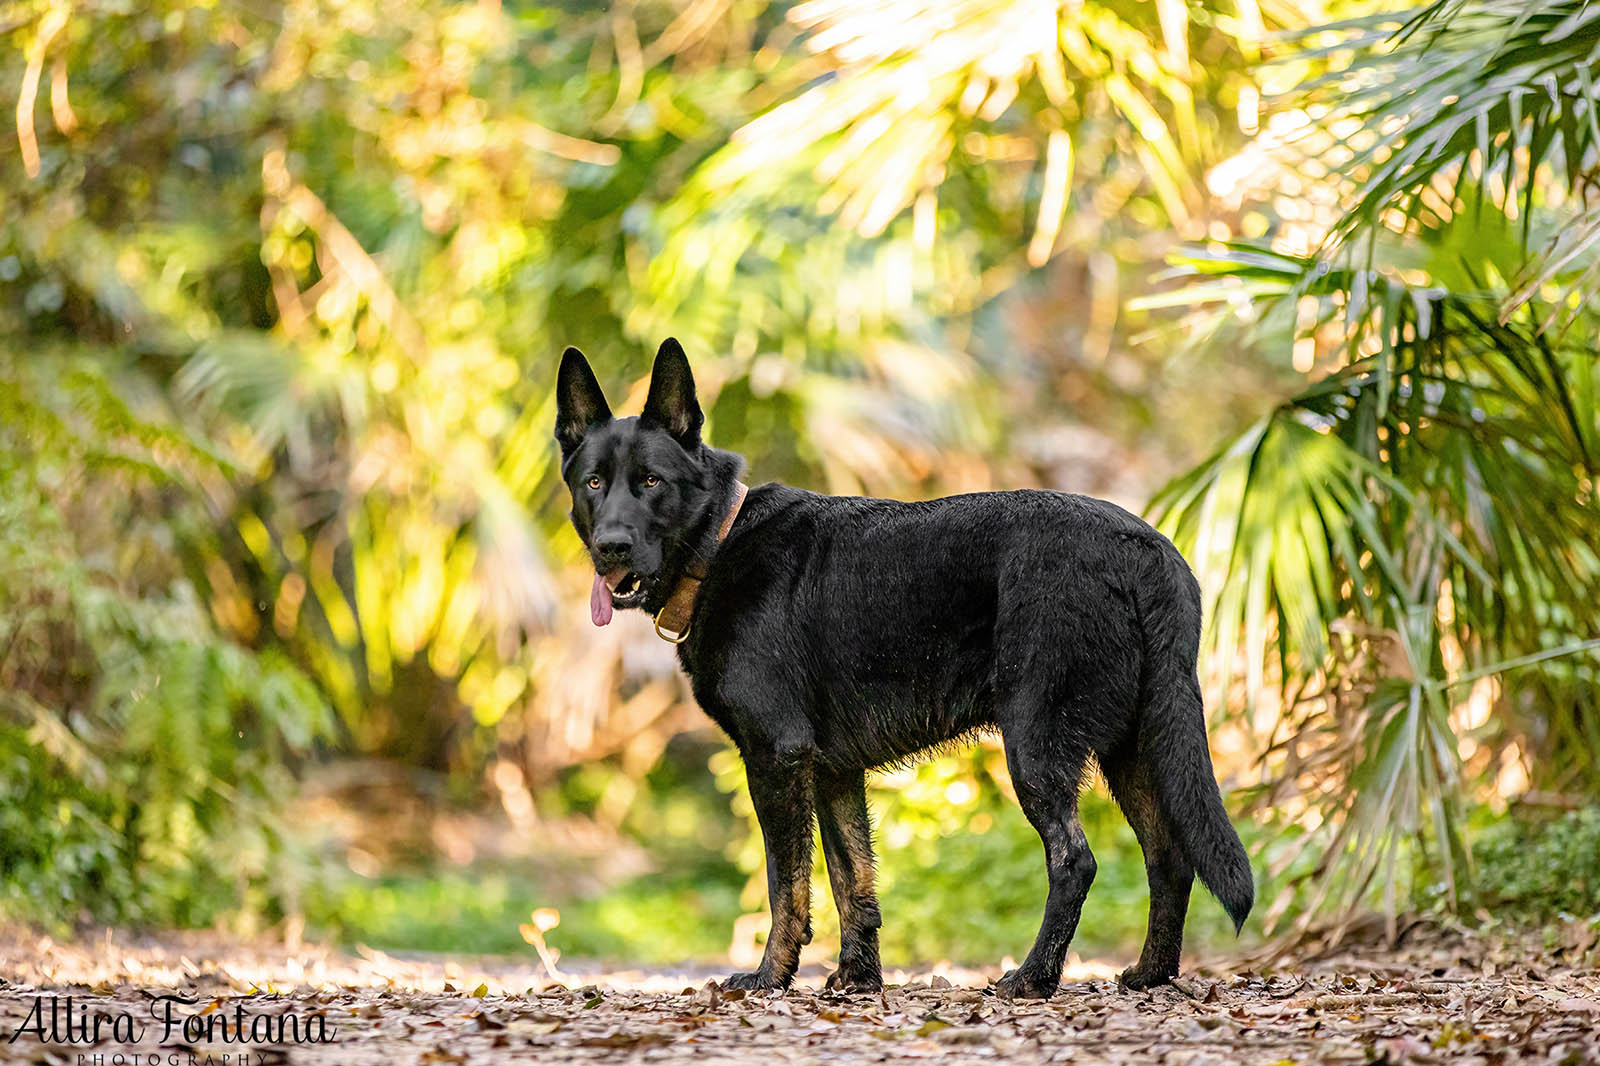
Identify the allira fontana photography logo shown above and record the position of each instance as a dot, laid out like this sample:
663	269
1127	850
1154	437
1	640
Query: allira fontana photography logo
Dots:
171	1019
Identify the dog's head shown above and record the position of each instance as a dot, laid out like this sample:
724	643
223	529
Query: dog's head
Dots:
642	488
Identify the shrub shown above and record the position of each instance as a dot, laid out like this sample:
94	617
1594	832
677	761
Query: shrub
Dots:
1540	867
141	752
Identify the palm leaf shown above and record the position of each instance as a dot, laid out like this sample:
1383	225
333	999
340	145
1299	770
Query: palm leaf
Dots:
1455	98
1429	493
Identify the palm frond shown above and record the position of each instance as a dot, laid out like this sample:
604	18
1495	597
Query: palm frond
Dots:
917	86
1466	104
1417	519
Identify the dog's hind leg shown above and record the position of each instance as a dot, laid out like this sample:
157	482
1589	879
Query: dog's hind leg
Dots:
1168	868
780	781
1046	767
847	843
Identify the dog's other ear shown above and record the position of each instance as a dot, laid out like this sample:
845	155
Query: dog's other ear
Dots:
672	404
580	405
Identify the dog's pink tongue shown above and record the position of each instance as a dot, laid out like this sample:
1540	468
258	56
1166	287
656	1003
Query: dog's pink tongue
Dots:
600	602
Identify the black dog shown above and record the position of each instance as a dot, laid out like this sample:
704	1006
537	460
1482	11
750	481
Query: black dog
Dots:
830	635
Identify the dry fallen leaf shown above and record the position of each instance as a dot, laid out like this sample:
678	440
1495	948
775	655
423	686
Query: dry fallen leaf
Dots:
627	1040
708	997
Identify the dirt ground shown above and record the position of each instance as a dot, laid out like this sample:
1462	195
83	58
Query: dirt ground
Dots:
1438	997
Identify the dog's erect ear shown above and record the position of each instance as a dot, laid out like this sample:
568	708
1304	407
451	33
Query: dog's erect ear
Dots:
580	405
672	404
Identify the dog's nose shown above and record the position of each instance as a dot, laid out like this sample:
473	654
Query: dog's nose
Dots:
613	543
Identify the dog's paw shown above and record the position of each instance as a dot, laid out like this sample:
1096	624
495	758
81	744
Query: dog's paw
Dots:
1017	984
846	979
755	981
1137	978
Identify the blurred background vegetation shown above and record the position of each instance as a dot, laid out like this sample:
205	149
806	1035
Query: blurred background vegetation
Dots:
292	627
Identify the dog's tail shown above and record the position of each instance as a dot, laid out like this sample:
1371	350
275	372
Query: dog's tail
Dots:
1173	738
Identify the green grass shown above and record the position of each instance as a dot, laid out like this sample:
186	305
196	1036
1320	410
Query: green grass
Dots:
658	918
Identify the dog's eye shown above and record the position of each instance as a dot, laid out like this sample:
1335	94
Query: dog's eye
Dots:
651	481
594	481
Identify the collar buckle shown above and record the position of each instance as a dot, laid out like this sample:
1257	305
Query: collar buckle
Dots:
668	635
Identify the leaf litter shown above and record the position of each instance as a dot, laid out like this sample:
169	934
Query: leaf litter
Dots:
1442	997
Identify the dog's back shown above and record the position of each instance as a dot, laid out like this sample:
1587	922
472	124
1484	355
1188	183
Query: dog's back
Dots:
904	622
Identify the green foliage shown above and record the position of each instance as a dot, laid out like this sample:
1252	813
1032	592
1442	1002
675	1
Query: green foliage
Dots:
1474	96
962	872
142	751
940	827
358	234
1412	533
1539	868
1428	501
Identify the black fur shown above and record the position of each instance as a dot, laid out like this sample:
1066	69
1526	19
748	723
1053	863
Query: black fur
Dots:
833	635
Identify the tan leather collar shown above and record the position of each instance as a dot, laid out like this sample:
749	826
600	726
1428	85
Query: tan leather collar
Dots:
672	621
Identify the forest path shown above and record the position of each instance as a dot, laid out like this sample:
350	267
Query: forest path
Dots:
1441	998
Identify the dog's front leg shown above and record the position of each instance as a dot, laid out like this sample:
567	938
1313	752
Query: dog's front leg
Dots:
780	786
847	842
